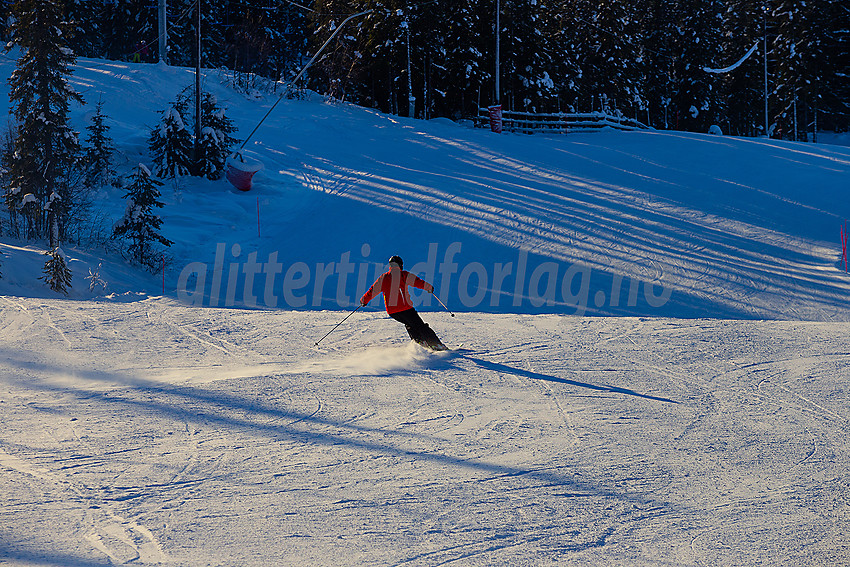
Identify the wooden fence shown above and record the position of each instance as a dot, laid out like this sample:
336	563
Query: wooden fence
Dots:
559	123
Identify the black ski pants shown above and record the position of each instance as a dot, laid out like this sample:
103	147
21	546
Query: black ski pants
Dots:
418	329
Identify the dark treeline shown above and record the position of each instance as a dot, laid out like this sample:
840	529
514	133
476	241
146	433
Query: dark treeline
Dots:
642	58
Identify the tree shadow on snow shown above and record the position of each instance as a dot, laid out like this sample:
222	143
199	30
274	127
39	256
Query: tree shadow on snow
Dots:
17	554
140	397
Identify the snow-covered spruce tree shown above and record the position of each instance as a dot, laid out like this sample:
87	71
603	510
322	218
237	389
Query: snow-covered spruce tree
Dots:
458	61
127	26
216	139
5	8
526	62
171	144
46	149
85	19
249	48
660	29
99	150
742	89
216	17
811	66
609	38
283	32
140	226
209	150
698	44
56	272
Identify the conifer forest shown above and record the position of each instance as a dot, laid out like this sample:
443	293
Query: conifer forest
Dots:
671	64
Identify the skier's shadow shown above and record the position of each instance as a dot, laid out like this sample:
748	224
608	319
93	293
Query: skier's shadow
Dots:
505	369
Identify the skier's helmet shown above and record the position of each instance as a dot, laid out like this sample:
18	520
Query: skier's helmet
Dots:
397	260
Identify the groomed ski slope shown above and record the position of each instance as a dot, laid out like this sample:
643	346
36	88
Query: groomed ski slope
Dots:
147	433
704	426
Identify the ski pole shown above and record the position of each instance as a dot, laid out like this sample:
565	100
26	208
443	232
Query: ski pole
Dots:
443	304
338	324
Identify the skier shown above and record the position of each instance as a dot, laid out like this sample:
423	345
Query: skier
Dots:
393	284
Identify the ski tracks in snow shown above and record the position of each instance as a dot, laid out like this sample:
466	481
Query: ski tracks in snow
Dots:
121	539
591	441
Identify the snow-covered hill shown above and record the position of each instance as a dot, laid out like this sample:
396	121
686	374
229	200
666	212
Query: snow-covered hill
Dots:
643	223
705	425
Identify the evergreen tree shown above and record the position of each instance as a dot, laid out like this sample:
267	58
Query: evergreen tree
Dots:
98	158
129	26
811	64
559	28
56	272
698	42
284	32
5	20
216	139
84	18
214	25
171	143
182	33
209	149
117	29
642	57
525	59
46	148
428	50
743	89
461	62
139	224
268	41
660	30
360	63
57	275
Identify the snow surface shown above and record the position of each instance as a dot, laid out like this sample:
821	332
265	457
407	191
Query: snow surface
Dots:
701	421
150	433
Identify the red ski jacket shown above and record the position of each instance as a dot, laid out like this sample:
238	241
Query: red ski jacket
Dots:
393	284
